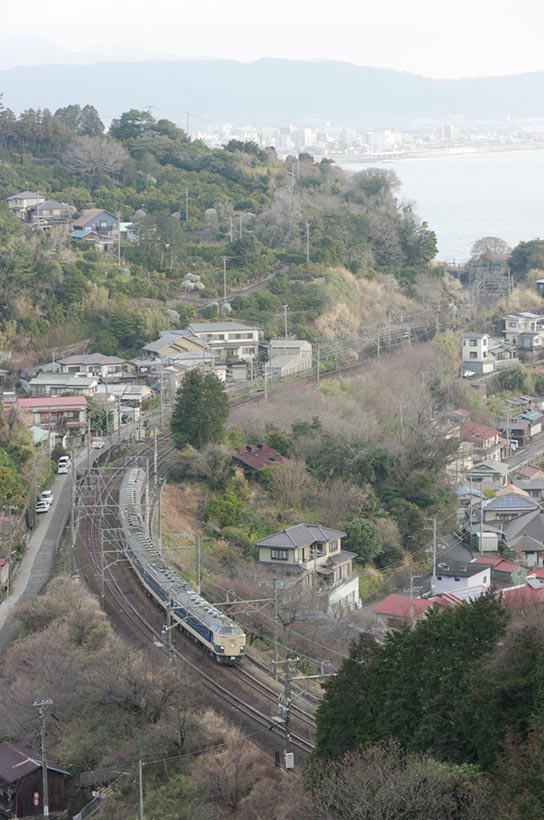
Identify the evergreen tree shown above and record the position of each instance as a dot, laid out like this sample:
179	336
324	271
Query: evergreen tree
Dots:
201	410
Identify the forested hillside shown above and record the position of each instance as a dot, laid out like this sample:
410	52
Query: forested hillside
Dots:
192	206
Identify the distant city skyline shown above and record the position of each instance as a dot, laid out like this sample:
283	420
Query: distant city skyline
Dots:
485	38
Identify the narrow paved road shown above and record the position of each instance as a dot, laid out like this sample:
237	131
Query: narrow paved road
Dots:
527	454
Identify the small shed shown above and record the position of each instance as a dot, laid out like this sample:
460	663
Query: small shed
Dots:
21	783
255	457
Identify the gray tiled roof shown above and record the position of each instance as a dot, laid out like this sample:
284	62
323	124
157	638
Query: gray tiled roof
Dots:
511	501
301	535
532	523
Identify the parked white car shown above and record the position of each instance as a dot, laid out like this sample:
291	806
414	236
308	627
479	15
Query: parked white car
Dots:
468	374
64	465
42	507
48	497
97	443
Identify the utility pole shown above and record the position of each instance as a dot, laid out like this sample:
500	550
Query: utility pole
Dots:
241	226
285	319
285	704
318	374
225	260
141	776
119	238
265	381
88	452
186	204
481	524
275	582
155	456
73	511
197	546
409	335
433	579
412	590
231	229
161	399
119	419
378	344
187	127
308	242
147	491
42	708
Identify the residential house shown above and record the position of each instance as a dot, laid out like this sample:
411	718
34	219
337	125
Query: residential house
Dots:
524	330
99	221
94	364
289	356
501	353
456	576
474	353
60	414
21	783
525	537
534	487
524	595
171	342
491	474
486	441
518	430
256	457
50	214
59	384
504	508
131	394
101	241
397	610
20	203
503	571
228	339
529	471
315	554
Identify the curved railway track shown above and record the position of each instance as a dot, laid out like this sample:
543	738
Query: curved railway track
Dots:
141	619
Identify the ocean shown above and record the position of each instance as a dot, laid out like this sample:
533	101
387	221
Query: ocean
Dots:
464	198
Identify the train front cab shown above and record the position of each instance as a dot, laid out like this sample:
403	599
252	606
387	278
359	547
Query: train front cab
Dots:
228	645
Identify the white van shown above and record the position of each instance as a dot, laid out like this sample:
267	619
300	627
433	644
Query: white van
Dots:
64	465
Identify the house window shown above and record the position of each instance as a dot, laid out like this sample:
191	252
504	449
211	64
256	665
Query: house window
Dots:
512	324
456	580
485	579
438	577
279	555
473	355
473	343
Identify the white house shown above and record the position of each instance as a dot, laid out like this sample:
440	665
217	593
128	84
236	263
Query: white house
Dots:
315	553
475	354
228	338
457	575
20	203
93	364
58	384
525	330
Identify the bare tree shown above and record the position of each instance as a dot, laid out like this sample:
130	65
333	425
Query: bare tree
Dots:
290	483
95	158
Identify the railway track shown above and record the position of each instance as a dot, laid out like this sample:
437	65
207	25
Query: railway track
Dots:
145	627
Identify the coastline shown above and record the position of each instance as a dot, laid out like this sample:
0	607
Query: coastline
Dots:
430	153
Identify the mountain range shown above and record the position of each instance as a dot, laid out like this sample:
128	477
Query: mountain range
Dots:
270	91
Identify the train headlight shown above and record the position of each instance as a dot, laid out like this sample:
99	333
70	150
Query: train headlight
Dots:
222	647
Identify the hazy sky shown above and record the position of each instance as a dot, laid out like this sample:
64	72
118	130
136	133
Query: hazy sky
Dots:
433	37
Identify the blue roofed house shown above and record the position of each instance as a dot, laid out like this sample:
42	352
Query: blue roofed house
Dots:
99	221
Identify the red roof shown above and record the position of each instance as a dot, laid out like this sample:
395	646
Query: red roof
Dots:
518	596
469	429
538	573
52	401
398	606
497	563
17	761
259	456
